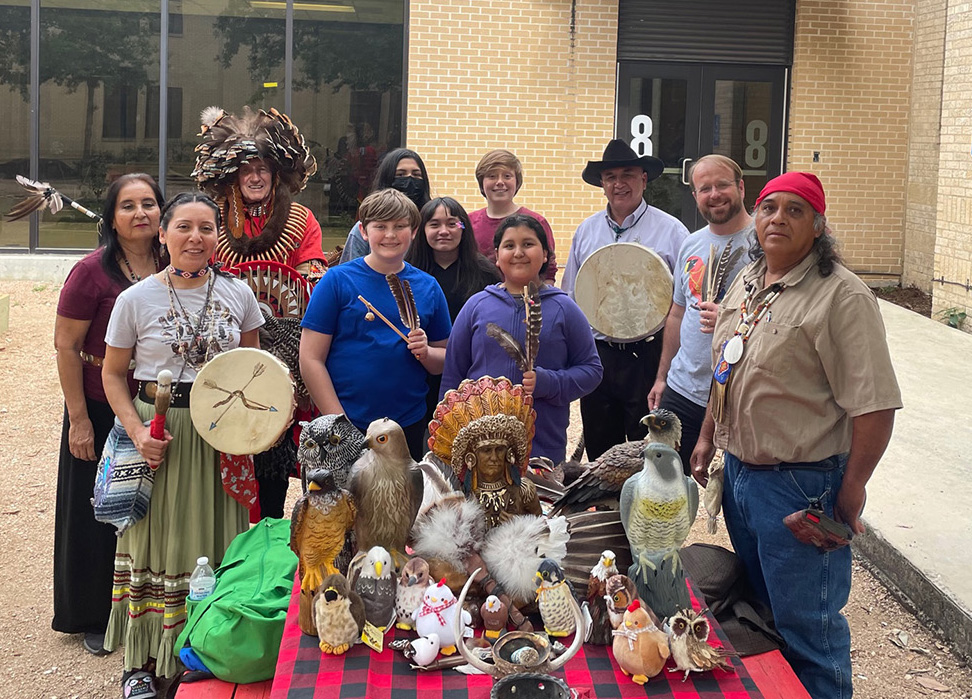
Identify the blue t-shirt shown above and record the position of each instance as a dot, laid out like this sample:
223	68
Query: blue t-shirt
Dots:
373	373
691	371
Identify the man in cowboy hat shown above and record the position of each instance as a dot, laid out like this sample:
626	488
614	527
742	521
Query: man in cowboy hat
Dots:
612	413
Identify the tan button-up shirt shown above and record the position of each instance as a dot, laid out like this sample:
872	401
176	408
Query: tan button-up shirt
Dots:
818	359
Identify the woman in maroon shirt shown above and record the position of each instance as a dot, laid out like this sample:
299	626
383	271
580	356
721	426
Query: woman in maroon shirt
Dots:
84	549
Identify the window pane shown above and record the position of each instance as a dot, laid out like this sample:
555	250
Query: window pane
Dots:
14	115
98	67
743	112
228	54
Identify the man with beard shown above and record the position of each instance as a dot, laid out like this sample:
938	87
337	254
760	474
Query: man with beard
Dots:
685	367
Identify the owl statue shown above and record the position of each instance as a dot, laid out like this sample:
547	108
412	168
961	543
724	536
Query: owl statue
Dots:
331	442
688	640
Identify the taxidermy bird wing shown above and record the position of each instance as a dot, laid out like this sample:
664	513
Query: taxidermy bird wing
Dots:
534	321
591	533
509	345
39	195
402	291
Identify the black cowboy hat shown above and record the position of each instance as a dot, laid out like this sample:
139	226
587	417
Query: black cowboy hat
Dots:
619	154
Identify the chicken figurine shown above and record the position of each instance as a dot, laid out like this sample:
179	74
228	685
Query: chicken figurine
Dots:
339	615
371	577
495	615
411	588
689	644
600	631
436	615
553	599
640	648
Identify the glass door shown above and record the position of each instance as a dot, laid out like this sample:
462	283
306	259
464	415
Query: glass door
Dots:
680	112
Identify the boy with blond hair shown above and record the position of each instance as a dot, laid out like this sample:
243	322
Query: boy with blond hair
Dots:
500	176
359	366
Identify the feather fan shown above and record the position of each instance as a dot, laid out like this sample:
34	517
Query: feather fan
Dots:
509	345
718	270
405	299
39	195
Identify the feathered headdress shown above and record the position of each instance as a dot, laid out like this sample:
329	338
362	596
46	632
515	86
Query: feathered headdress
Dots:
228	141
482	410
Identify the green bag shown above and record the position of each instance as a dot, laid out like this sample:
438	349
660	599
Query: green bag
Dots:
236	631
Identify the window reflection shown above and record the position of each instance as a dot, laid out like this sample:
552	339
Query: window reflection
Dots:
15	115
98	71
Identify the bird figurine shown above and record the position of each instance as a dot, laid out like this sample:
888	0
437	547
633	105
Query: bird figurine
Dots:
425	649
688	640
600	484
658	506
640	648
331	442
619	593
320	520
339	615
371	577
495	615
712	498
411	588
552	599
437	614
387	486
600	631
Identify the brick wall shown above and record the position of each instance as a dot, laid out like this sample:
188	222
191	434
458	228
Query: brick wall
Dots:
522	75
924	143
953	246
850	102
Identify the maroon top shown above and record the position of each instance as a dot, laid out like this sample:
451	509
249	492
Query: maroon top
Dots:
89	294
484	228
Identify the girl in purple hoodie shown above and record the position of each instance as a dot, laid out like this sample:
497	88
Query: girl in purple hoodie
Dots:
567	365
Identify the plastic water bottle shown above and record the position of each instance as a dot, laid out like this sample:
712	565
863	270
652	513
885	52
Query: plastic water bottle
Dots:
202	582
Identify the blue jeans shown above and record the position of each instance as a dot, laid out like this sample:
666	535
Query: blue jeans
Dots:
805	587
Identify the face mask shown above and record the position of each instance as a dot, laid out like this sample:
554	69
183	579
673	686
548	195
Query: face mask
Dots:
411	187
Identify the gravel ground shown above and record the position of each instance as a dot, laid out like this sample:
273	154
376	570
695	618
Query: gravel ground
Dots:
893	654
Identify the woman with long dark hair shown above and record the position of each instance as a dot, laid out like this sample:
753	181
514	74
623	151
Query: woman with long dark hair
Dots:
84	549
400	169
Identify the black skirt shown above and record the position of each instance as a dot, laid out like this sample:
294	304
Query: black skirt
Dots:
84	549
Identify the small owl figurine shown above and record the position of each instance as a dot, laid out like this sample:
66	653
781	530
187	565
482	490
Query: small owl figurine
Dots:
553	598
411	587
619	593
494	614
639	647
371	577
690	649
331	442
339	615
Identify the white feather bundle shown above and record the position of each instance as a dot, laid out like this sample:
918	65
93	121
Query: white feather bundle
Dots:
210	115
555	546
512	552
450	531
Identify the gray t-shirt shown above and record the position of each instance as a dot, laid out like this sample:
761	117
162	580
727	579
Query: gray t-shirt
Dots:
691	371
156	323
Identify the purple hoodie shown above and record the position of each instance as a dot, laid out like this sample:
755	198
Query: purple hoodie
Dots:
567	366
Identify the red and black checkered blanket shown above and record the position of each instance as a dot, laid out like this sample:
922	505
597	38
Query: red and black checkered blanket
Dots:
303	672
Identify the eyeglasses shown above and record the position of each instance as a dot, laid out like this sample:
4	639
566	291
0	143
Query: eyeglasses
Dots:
720	187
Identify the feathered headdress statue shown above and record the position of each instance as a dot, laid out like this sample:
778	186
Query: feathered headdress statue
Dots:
483	410
228	141
41	194
524	355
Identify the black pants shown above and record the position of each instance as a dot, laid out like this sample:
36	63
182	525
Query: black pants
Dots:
691	416
415	438
613	411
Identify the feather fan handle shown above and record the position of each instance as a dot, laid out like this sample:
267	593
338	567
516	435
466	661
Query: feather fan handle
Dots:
534	321
402	292
509	344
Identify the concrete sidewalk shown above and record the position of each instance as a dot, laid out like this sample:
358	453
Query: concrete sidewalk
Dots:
919	507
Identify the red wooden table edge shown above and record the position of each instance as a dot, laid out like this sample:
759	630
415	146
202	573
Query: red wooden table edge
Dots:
774	677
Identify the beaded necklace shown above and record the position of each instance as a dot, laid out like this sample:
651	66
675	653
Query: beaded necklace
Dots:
131	272
196	345
172	269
